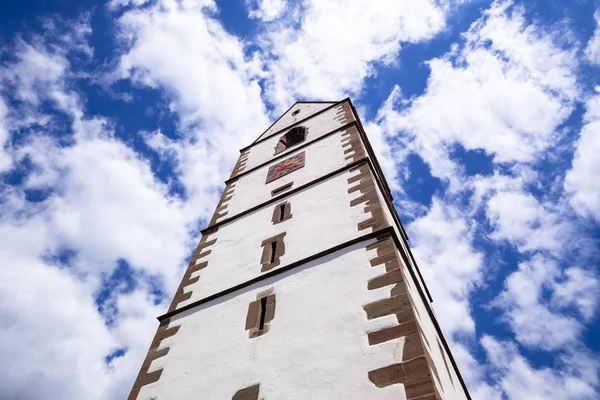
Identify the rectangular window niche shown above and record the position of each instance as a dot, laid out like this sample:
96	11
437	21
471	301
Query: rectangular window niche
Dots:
281	212
260	313
273	249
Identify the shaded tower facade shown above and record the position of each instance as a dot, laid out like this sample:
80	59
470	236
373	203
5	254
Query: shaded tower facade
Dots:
303	285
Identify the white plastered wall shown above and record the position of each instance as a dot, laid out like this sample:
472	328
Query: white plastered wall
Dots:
288	119
316	347
321	158
321	218
316	126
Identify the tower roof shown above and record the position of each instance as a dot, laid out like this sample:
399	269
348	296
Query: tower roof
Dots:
297	112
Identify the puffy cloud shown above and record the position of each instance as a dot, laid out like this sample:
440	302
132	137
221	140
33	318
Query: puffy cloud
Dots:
5	157
592	50
266	10
336	44
519	380
212	88
212	82
97	204
505	91
534	323
580	182
451	267
530	225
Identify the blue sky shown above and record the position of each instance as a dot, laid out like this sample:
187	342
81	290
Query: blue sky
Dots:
120	120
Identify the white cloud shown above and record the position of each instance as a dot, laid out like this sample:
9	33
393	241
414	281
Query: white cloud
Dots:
475	374
451	267
592	50
504	92
519	380
576	289
581	181
337	42
104	205
213	87
521	219
211	82
5	157
532	319
266	10
117	4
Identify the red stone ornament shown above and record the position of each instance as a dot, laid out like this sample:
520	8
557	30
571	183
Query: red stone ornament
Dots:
284	167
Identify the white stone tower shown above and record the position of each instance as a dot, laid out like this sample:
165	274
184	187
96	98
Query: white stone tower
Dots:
303	286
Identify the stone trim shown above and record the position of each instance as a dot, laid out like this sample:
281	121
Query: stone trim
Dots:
344	113
195	265
221	209
287	212
240	165
352	144
270	260
145	377
368	189
248	393
260	313
416	370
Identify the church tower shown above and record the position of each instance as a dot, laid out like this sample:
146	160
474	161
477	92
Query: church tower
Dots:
303	286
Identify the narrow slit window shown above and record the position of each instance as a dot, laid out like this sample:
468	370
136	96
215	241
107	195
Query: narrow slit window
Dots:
260	313
273	249
281	212
281	189
263	313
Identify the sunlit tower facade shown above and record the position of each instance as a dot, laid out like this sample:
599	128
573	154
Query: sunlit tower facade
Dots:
303	285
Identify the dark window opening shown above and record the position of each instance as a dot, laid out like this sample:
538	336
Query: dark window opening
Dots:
291	138
263	313
295	113
280	189
260	313
281	211
273	250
